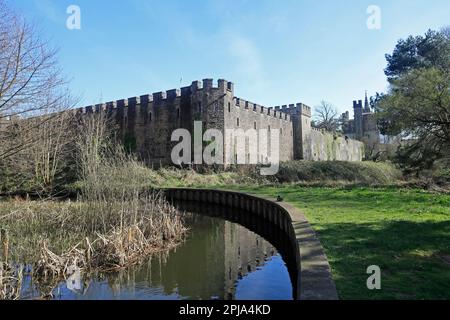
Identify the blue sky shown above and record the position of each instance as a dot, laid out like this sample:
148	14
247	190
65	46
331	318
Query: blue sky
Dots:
276	51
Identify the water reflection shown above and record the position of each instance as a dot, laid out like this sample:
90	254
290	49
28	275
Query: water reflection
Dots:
287	250
219	260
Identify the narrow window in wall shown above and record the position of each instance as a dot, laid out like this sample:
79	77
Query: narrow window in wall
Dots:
150	117
269	128
229	106
200	107
178	113
254	125
237	122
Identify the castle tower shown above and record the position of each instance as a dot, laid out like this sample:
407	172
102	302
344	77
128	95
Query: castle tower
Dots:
301	122
358	119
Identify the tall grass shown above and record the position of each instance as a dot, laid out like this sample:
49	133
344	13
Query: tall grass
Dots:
114	222
367	173
308	173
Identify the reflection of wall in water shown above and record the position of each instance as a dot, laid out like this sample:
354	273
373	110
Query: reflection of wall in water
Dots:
216	255
244	251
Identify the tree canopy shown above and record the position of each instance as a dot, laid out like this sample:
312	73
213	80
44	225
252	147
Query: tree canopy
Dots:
417	104
418	52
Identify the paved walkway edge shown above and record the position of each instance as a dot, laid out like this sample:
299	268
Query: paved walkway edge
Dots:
316	282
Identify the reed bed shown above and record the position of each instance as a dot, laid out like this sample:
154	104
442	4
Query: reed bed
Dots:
114	222
54	237
60	226
10	282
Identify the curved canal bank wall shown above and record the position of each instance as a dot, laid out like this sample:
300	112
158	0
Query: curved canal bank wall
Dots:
314	280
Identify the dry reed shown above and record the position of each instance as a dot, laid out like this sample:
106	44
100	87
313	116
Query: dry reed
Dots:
114	223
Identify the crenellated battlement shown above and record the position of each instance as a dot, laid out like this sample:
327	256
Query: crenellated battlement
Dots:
357	104
162	96
295	109
254	107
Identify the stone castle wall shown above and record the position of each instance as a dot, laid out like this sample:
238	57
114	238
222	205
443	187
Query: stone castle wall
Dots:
146	124
324	146
245	115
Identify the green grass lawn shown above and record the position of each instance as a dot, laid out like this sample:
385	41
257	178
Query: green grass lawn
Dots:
405	232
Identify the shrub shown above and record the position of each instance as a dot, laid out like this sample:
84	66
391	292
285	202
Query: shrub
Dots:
352	172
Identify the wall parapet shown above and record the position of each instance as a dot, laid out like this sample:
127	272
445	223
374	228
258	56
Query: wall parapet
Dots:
295	109
284	113
254	107
161	96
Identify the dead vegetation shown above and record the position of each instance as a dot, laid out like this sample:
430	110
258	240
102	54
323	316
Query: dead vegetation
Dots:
10	277
10	282
114	223
56	237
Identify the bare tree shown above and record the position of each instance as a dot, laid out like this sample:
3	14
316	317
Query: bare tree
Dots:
35	126
54	151
31	84
326	117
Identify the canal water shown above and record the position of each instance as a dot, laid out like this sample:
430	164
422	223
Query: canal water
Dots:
219	260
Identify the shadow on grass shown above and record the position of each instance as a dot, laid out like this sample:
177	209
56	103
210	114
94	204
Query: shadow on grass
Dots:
408	254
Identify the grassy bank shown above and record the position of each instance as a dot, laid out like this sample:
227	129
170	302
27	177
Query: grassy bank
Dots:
405	232
333	172
307	173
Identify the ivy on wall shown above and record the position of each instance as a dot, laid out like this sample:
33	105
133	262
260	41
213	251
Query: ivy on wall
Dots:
130	143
